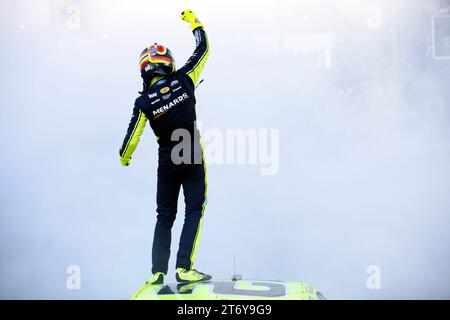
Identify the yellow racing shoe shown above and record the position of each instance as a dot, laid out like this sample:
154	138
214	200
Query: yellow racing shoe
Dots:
157	278
185	275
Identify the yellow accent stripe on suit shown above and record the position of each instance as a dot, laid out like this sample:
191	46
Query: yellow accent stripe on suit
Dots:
194	73
198	234
135	136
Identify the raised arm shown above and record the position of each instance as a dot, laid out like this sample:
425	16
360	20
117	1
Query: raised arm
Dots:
194	66
134	132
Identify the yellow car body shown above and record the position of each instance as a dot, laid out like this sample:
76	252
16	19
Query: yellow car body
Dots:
230	290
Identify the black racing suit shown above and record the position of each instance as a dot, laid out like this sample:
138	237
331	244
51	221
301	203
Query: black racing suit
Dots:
169	104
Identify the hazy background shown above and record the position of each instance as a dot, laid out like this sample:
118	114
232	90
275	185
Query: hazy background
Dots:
363	112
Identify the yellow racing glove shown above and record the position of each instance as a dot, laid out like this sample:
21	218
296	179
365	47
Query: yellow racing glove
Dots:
189	16
124	161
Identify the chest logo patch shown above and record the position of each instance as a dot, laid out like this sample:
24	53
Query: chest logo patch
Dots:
164	90
162	110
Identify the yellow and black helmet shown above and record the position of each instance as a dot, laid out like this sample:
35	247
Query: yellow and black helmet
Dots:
156	59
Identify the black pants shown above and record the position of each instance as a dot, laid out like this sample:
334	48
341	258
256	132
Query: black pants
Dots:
170	178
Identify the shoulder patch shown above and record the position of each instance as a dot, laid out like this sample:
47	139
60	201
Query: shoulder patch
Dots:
161	81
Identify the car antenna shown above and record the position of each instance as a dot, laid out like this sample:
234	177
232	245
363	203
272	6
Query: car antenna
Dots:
199	83
235	276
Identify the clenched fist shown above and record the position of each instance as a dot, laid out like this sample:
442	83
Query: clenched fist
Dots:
189	16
